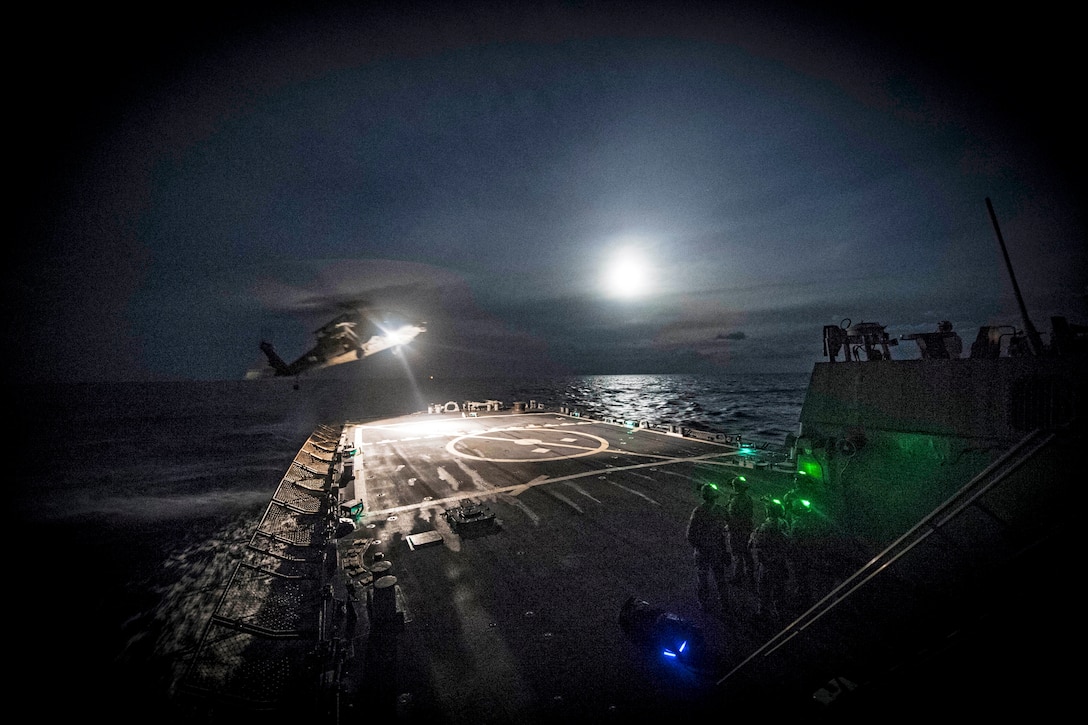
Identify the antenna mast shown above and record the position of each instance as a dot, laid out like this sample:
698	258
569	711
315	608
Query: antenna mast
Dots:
1034	340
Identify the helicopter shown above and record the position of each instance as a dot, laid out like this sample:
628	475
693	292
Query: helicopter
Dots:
338	341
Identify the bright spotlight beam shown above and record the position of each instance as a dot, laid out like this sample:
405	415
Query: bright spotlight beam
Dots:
393	338
403	335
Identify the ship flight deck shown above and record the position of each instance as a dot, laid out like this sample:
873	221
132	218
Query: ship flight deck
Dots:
507	546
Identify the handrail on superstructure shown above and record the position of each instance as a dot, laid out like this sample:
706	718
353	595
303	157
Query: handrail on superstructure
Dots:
993	474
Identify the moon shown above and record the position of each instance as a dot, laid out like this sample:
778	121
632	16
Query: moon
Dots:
627	275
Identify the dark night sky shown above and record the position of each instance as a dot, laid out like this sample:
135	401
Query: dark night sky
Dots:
188	181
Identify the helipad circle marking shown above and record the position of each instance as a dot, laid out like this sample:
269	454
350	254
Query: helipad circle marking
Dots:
483	439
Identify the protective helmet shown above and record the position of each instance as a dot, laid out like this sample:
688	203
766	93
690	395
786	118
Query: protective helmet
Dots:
775	508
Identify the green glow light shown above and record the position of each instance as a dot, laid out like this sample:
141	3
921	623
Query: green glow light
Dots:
809	466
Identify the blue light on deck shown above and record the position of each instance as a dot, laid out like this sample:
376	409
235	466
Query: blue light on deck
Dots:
679	651
666	634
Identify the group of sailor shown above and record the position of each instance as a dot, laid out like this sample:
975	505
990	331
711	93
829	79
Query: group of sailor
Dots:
783	560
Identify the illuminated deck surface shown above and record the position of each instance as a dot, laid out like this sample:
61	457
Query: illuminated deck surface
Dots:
520	622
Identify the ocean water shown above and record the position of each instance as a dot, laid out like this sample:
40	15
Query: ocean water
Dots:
131	501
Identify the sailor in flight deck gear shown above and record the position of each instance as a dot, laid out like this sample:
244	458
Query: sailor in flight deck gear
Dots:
707	536
813	552
739	512
770	551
